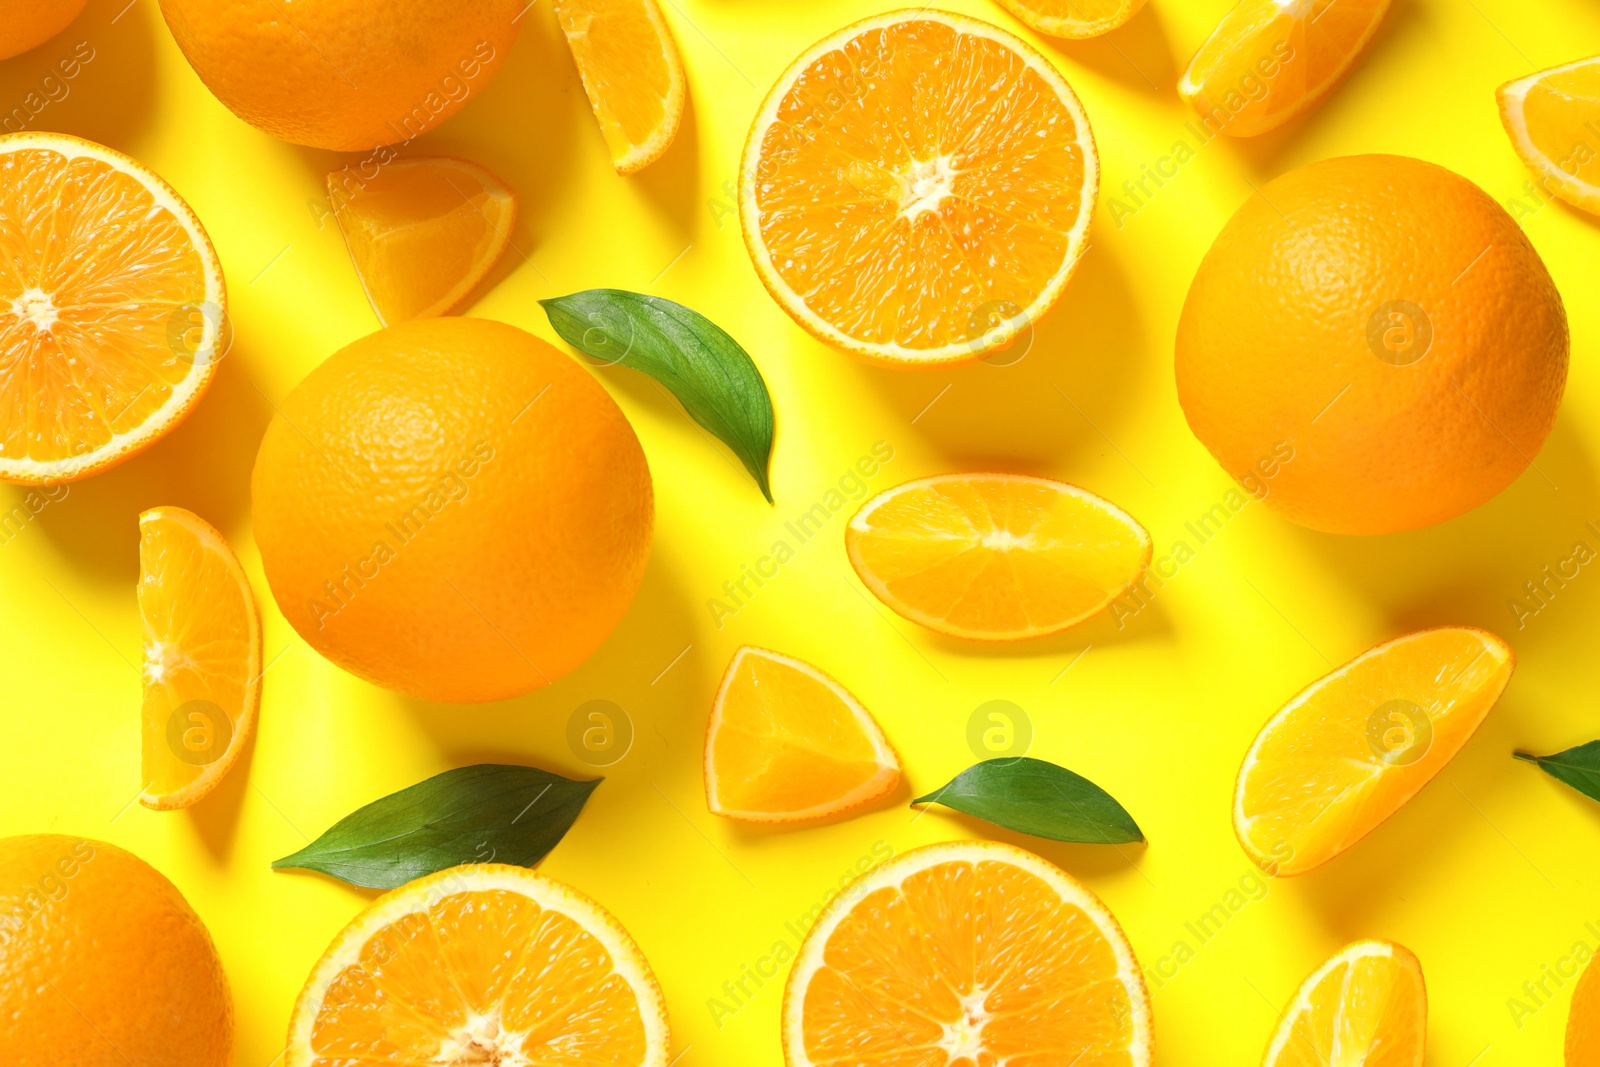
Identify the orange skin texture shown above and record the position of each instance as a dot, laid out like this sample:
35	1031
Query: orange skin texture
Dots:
1273	345
347	75
508	490
26	24
107	936
1583	1020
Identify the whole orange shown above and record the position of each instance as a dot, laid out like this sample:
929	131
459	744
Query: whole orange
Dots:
452	508
103	963
1373	344
26	24
349	75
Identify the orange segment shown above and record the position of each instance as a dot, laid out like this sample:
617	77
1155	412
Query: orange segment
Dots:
631	70
1583	1020
111	308
786	742
969	953
1074	18
481	964
995	557
1365	1007
422	233
918	187
1269	60
1553	118
1352	747
202	657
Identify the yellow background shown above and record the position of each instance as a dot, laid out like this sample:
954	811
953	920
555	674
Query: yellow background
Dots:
1491	874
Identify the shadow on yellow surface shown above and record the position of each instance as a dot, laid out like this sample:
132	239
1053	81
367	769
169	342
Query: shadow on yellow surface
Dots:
1136	55
95	79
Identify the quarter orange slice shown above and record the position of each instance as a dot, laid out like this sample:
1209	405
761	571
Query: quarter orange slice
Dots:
1270	60
1583	1020
966	954
1365	1007
1074	18
917	188
786	743
202	657
1352	747
481	964
423	233
1553	118
632	73
995	557
111	308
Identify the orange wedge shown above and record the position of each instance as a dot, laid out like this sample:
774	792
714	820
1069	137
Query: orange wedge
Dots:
1553	118
481	964
631	70
202	657
423	233
1269	60
1074	18
786	743
917	188
1352	747
995	557
1583	1020
1365	1007
961	954
111	308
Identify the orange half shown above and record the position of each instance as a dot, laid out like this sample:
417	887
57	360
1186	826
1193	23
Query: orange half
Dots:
1074	18
1367	1006
631	72
1553	118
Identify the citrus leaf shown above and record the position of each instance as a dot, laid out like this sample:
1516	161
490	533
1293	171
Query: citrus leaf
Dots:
1032	796
486	813
1578	767
712	377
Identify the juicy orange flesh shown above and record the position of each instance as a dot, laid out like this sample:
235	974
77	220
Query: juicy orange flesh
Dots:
971	963
97	284
1365	1011
1088	13
622	59
1562	112
918	185
479	973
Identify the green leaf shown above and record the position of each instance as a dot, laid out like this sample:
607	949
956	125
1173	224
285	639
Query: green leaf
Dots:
712	377
1578	767
487	813
1034	797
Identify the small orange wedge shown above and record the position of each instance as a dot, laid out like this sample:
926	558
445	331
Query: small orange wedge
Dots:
995	557
787	743
202	657
1074	18
1352	747
1583	1020
423	233
1367	1006
632	73
1553	118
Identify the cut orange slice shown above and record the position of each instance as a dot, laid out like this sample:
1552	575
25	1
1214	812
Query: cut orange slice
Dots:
1074	18
632	73
202	657
1365	1007
1269	60
917	188
112	310
786	743
1583	1020
481	964
423	233
1553	118
995	557
1352	747
966	953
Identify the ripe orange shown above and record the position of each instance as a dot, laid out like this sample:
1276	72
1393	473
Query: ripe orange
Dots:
1390	322
26	24
995	557
631	72
1553	118
349	75
1074	18
786	742
1366	1006
481	964
103	963
1353	746
453	509
1583	1020
966	953
111	308
913	227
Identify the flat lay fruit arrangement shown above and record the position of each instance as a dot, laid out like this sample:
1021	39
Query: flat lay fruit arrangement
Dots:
1033	532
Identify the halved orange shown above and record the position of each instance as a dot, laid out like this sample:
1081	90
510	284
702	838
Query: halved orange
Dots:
422	233
786	742
995	557
1583	1020
1074	18
1553	118
1269	60
112	308
1366	1006
1352	747
481	964
917	188
202	657
966	953
632	73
